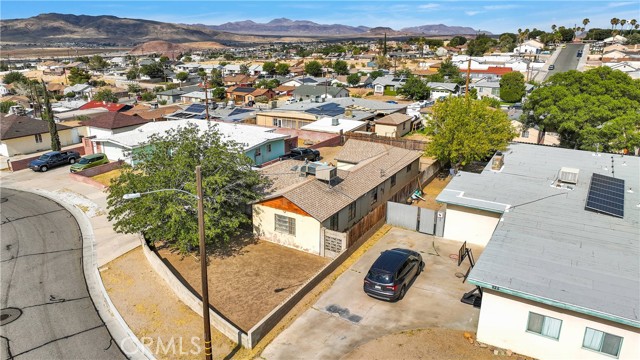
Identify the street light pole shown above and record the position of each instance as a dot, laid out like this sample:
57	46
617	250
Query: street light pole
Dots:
203	268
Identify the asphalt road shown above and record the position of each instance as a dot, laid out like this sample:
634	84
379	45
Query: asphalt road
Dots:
46	309
567	59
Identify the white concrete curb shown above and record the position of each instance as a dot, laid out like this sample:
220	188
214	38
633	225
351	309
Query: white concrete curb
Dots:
120	331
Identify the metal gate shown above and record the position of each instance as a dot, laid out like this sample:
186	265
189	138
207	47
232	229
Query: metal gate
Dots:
402	215
427	224
412	217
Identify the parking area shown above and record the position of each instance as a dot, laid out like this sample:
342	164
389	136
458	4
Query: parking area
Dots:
344	317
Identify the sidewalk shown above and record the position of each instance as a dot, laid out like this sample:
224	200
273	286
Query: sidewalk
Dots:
167	327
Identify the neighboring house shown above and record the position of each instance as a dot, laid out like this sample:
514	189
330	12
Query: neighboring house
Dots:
268	93
239	80
529	47
307	80
316	93
439	89
613	55
532	135
105	125
55	88
365	81
81	90
197	97
112	107
306	211
394	125
284	90
560	271
78	65
239	94
615	40
170	96
335	125
260	144
487	88
387	83
153	112
26	135
491	73
4	89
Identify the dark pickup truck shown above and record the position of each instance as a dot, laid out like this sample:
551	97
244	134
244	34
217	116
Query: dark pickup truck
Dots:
302	154
52	159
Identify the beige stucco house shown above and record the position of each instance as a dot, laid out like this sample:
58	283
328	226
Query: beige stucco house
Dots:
26	135
285	119
531	135
308	212
394	125
559	274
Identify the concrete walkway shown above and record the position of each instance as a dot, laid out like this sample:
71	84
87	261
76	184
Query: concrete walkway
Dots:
92	201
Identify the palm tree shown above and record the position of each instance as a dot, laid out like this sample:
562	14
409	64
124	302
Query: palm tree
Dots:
614	23
636	26
553	27
622	23
633	24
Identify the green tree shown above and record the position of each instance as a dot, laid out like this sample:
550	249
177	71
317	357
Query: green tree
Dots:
244	69
449	71
47	116
415	88
457	40
14	76
268	83
353	79
148	96
133	89
153	70
5	106
480	45
512	87
376	74
105	95
97	63
282	69
313	68
229	184
582	107
163	60
216	78
269	67
566	34
78	76
182	77
507	42
341	67
465	130
133	73
219	93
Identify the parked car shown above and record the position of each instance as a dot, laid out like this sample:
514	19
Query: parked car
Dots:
551	67
392	273
301	153
52	159
391	102
89	161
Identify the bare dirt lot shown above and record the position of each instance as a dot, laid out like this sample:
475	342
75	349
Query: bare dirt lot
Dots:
431	191
44	53
427	344
246	286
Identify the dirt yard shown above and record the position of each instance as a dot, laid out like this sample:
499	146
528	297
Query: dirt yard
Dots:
429	344
431	191
105	178
246	286
154	313
329	154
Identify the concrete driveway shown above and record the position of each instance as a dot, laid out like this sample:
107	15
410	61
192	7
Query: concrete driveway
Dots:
345	317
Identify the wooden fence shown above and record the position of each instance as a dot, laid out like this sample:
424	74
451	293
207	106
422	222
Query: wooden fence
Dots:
401	143
364	225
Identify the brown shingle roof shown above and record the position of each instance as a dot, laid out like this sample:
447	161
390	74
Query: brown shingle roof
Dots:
114	120
355	151
151	114
15	126
393	119
322	201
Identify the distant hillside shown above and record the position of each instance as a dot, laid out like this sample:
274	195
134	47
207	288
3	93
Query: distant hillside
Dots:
289	27
111	30
441	29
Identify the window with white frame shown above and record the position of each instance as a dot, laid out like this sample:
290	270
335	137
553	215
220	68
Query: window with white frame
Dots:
602	342
285	224
544	325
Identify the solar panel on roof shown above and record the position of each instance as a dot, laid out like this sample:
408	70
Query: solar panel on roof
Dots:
195	108
331	109
606	195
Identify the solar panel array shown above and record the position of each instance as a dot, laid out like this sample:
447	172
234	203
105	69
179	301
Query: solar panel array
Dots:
195	108
330	109
606	195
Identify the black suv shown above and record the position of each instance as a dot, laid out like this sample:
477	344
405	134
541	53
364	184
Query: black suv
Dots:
301	153
392	273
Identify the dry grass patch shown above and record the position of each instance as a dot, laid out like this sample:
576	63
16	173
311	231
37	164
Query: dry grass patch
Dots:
105	178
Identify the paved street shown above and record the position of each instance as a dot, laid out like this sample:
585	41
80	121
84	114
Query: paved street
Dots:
567	59
42	279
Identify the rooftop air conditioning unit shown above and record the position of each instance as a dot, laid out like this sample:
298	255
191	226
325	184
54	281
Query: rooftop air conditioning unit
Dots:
335	122
497	162
568	175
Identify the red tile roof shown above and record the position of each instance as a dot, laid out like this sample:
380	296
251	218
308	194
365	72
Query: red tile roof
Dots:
491	70
107	105
114	120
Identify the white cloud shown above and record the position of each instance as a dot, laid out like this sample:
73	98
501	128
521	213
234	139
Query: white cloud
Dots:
500	7
472	13
429	6
619	4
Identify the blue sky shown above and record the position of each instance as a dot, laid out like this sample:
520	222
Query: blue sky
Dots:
494	16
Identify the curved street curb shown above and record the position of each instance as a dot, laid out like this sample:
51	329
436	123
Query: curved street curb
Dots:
120	332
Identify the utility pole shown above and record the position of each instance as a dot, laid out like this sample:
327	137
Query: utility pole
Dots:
206	98
466	91
203	268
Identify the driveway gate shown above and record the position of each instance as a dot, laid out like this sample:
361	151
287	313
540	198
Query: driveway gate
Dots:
412	217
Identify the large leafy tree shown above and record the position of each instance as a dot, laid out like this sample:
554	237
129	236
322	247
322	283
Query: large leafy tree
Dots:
78	76
229	184
14	76
5	106
341	67
153	70
457	40
596	109
353	79
282	69
98	63
415	88
465	130
313	68
269	67
480	45
512	87
105	95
